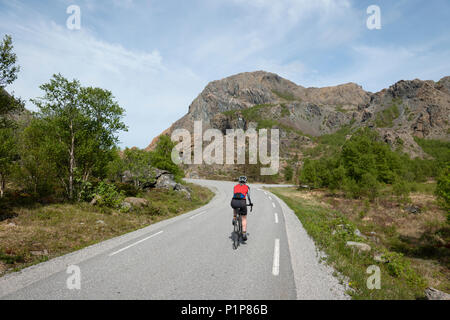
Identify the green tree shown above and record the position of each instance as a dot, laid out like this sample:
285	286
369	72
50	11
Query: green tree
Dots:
38	170
8	154
138	163
80	126
8	67
288	173
8	105
443	189
8	73
161	157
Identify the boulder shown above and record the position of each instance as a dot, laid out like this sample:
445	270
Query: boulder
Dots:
413	209
434	294
166	181
136	202
358	245
39	253
125	206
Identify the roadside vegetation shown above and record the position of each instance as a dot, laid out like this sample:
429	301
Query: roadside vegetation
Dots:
411	249
62	173
354	187
36	232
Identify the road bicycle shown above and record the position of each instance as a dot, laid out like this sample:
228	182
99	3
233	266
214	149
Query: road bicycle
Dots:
237	232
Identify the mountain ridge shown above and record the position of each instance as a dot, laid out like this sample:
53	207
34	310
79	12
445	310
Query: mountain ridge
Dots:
407	109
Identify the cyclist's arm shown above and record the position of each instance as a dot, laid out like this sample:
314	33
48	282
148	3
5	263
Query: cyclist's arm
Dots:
248	196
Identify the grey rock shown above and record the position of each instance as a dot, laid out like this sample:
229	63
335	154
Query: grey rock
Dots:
166	181
101	222
39	253
413	209
359	234
434	294
358	245
125	206
136	202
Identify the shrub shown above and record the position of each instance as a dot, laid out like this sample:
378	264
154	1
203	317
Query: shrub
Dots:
127	189
369	186
400	189
288	173
108	196
443	189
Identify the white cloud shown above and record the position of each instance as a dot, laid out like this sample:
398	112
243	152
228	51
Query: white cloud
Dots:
153	94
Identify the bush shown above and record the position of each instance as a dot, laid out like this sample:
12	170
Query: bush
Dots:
108	196
288	173
400	189
127	189
369	186
443	189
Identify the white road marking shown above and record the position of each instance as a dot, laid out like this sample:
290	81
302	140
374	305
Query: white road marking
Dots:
276	258
276	217
273	204
270	197
132	245
198	214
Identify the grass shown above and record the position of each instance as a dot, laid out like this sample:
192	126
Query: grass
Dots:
438	149
386	117
340	108
329	144
41	232
285	95
410	242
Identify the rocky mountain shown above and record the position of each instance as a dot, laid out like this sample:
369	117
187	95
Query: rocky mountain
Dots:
401	112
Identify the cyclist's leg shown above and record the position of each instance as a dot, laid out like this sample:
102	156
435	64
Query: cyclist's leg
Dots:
244	219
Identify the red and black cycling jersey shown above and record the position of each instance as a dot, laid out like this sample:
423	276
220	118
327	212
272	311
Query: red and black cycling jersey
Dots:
241	191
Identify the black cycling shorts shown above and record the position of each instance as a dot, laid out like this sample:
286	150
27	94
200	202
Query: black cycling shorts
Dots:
241	205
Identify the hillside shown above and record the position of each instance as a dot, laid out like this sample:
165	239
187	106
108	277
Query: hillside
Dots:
405	110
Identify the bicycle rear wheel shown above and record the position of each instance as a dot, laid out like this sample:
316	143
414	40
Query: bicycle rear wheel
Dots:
236	233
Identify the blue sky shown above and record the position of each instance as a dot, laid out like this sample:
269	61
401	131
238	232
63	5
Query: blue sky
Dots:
157	56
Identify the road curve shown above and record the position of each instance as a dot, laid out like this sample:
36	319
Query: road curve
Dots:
191	257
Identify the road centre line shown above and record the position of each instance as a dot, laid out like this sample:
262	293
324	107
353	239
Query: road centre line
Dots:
132	245
273	204
276	217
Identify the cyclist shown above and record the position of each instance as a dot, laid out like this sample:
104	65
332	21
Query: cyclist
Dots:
240	193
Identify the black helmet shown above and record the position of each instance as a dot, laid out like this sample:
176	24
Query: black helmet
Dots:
242	179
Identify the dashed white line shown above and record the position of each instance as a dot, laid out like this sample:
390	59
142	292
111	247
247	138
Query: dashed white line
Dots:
276	217
273	204
270	197
276	258
198	214
132	245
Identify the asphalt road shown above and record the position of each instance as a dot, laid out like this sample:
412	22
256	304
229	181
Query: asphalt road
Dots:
191	257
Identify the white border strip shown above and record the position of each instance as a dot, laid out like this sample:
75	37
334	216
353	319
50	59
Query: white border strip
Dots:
132	245
276	258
